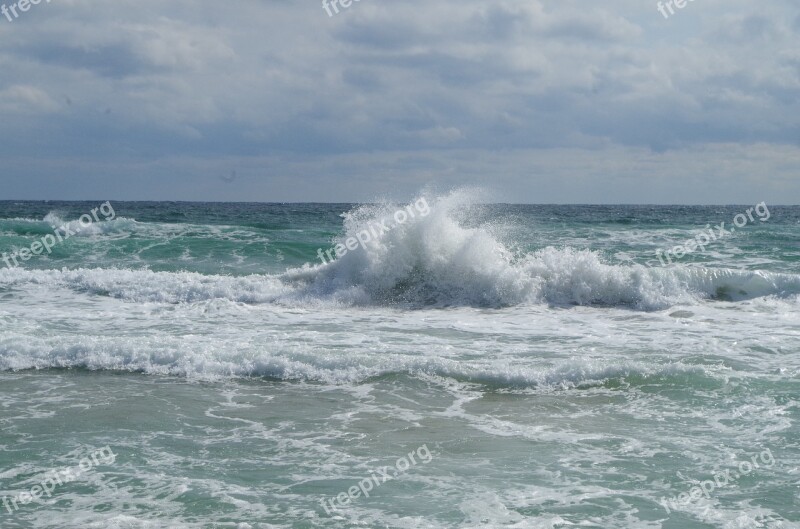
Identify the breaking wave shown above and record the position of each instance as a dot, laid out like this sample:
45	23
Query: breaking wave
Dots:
429	261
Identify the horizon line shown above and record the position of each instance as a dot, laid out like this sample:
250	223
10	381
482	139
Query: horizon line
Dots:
371	203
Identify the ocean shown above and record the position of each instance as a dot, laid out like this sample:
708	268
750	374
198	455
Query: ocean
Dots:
458	365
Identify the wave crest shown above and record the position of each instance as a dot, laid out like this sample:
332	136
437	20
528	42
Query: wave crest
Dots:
436	261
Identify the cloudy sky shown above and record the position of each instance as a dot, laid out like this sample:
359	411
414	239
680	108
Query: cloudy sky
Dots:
553	101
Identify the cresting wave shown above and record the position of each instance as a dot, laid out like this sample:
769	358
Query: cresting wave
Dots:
436	261
432	261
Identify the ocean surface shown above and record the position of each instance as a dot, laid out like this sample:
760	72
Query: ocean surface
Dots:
473	366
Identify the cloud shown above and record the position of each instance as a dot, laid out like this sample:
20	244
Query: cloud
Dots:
26	99
141	82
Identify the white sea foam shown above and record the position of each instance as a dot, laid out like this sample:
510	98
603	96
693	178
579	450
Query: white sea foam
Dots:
210	358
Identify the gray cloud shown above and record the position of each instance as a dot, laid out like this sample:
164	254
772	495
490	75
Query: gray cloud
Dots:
386	97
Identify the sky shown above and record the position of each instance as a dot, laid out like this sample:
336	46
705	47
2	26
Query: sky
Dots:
558	101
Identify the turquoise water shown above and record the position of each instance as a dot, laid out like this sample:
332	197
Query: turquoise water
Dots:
553	371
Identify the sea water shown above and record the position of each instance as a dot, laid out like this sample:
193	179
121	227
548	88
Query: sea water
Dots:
556	368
